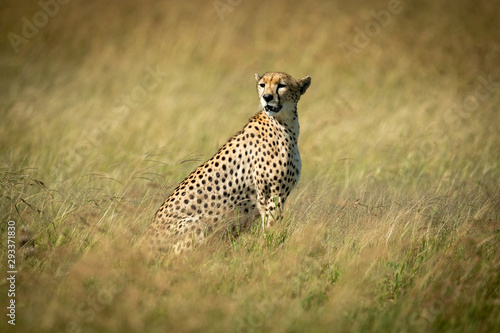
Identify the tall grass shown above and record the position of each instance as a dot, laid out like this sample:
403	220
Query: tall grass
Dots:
393	227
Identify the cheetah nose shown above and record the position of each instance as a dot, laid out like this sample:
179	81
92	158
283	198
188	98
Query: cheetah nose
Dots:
268	97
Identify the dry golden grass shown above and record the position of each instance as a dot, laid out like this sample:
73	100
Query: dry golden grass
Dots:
394	226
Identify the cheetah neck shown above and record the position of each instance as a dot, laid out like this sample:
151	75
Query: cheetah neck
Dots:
289	121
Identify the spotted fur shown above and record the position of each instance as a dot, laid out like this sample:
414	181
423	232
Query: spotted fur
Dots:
251	175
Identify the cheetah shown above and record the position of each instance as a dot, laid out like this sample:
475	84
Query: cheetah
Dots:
251	175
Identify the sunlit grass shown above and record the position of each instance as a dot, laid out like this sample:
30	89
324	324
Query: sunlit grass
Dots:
393	227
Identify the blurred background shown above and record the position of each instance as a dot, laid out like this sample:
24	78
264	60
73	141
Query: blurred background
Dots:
80	72
106	105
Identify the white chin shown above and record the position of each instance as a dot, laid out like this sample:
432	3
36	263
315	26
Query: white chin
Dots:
272	109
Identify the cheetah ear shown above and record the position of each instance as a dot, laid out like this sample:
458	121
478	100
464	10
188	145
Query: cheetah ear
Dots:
258	77
304	83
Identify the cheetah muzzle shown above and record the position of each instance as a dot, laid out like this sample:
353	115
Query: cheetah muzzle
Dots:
251	175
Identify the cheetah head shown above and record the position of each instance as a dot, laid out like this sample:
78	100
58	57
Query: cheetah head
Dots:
280	92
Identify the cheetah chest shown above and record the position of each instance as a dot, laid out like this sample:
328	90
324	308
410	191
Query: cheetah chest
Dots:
278	164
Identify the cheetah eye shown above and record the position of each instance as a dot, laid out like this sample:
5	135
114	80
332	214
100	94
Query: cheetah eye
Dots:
281	85
262	85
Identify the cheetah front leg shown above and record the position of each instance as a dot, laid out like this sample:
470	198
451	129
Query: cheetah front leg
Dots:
270	211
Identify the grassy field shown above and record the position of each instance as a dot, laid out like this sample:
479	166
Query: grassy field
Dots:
394	226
